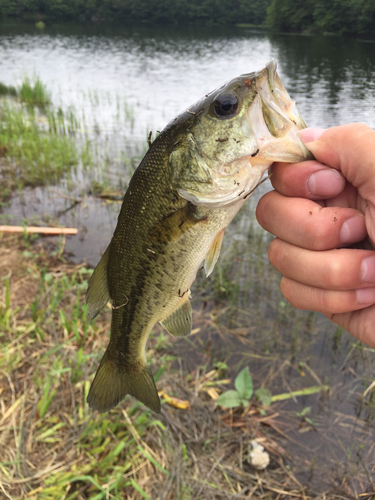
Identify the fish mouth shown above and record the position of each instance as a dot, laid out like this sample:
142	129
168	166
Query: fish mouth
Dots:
275	120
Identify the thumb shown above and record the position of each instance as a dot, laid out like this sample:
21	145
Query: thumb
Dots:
348	148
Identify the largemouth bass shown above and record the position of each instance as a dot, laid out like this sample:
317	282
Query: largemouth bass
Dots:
192	181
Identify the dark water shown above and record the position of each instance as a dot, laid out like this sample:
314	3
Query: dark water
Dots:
125	81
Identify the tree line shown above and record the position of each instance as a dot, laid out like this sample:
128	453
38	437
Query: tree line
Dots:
152	11
354	17
311	16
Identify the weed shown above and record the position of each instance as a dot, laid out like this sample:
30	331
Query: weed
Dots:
243	393
38	146
34	92
62	449
8	90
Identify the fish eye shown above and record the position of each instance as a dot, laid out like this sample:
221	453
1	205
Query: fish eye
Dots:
225	105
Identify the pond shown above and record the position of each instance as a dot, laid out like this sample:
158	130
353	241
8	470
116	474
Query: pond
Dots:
122	83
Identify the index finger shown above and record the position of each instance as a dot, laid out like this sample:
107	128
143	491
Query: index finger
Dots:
309	179
350	149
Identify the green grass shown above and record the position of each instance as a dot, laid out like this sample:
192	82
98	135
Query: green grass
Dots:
34	92
7	90
54	446
38	146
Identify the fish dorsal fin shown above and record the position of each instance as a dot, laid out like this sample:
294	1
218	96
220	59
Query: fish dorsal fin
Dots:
213	253
97	294
176	224
179	322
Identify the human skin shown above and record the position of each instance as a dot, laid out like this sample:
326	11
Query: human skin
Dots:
322	213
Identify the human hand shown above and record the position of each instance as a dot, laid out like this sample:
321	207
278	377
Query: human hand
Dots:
320	208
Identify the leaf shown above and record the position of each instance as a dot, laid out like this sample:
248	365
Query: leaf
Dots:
303	412
244	383
264	396
229	399
180	404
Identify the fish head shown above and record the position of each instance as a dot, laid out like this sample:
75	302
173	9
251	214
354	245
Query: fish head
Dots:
226	141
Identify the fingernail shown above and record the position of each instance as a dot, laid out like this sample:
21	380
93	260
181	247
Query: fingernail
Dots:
311	134
325	183
368	270
353	230
366	295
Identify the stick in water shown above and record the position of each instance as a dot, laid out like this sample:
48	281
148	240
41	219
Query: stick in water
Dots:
40	230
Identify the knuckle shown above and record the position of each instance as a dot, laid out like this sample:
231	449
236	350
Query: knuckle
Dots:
288	289
334	274
322	236
273	252
326	300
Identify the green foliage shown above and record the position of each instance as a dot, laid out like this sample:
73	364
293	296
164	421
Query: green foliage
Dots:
7	90
151	11
303	414
34	92
243	393
36	140
332	16
264	396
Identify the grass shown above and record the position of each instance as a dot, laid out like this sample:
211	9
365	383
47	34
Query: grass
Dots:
54	446
34	92
8	90
37	146
41	144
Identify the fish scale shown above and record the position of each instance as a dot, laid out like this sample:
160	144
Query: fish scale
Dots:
192	181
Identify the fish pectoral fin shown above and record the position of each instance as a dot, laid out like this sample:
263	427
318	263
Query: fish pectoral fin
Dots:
97	294
179	322
176	224
213	253
113	382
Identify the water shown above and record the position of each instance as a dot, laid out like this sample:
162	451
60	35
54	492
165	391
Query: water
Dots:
124	82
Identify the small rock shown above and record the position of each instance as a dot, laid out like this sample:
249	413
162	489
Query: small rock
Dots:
258	458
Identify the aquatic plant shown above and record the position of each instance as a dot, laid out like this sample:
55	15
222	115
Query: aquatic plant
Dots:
34	92
7	90
38	146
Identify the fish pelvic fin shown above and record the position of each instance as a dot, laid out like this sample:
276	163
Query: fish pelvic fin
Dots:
97	294
213	253
179	322
113	382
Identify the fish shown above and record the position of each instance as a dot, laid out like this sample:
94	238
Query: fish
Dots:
194	178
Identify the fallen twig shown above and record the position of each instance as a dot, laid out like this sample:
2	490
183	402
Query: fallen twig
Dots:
39	230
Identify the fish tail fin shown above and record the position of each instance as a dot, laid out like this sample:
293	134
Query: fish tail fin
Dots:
113	382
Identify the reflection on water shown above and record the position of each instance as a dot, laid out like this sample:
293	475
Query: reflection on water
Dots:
125	81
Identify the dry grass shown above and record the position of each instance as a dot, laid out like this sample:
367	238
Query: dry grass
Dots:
54	447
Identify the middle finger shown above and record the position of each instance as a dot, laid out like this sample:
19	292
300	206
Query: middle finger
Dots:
306	224
338	269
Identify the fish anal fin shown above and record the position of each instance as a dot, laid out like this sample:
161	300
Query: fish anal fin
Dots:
97	294
213	253
176	224
113	382
179	322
